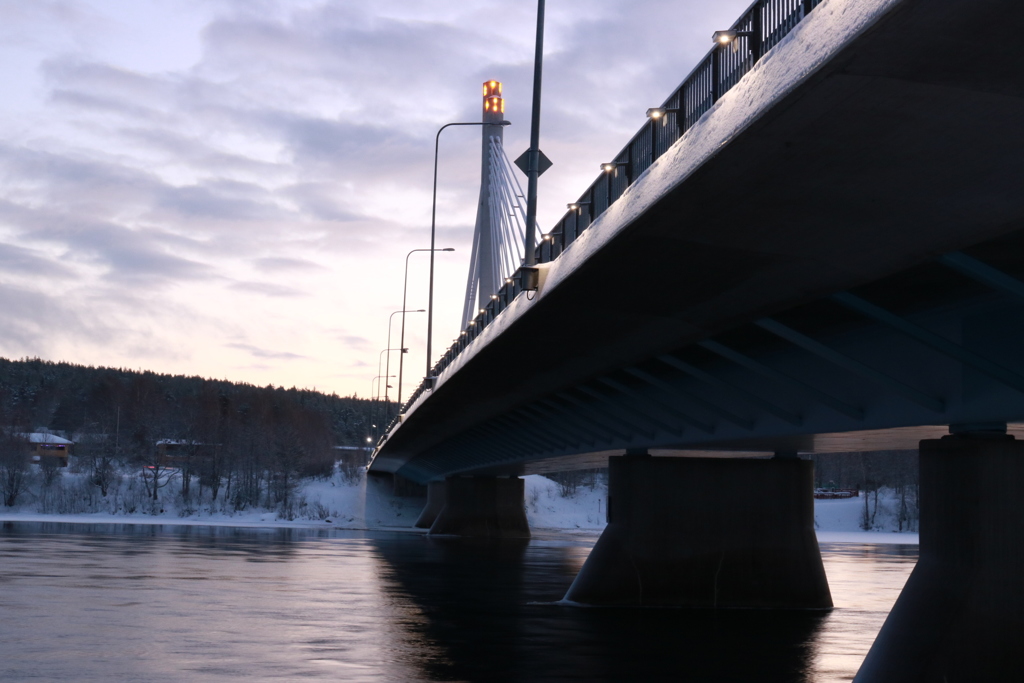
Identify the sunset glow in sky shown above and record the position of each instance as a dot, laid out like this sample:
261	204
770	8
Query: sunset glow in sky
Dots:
228	188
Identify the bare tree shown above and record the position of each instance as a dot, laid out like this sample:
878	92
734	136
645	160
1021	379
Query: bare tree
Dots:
98	452
14	466
50	469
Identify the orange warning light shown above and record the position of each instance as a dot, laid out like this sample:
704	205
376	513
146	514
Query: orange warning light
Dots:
493	101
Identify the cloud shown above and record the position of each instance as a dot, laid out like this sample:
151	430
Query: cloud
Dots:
267	289
33	24
191	151
31	262
264	353
280	264
354	341
117	253
33	323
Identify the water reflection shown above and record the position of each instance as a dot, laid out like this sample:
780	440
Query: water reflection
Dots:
865	580
489	608
173	603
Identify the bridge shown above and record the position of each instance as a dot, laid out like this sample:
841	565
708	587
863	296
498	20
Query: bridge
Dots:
815	243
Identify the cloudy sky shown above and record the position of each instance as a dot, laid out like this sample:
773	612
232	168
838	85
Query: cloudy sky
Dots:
228	188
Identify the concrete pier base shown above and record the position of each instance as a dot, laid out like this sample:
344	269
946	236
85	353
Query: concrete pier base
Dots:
436	497
483	507
706	533
961	615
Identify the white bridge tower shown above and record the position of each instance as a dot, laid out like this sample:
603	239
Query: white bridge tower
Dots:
500	214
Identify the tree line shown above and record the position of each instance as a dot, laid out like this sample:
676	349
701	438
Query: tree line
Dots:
248	443
870	473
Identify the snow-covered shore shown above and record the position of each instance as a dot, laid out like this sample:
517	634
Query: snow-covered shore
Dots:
340	503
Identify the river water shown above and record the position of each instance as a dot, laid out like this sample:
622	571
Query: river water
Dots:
176	603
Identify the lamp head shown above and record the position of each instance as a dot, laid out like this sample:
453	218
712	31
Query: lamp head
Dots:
724	37
608	168
656	113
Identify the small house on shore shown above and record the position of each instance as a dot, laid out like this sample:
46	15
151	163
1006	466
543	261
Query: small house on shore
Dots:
49	449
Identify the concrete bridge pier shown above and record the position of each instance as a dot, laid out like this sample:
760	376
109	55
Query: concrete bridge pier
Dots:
961	615
483	507
436	496
707	533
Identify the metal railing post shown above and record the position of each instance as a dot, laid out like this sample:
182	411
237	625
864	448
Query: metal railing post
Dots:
654	140
757	28
716	75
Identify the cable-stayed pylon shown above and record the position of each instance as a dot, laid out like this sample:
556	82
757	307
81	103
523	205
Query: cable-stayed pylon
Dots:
500	215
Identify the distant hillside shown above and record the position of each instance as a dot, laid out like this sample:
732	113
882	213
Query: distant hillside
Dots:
69	398
254	443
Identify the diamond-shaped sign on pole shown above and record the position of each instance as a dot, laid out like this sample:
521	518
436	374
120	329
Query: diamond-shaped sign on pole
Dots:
523	162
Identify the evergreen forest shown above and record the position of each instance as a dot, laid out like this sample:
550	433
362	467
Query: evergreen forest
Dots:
251	443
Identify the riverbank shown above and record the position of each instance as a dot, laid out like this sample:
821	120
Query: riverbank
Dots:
340	502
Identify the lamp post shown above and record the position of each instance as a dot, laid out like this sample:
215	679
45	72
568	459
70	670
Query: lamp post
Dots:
376	400
373	409
380	359
405	290
433	230
401	346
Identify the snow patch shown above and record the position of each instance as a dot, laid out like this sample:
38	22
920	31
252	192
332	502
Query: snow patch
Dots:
547	506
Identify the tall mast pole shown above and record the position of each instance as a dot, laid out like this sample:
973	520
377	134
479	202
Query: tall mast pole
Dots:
533	163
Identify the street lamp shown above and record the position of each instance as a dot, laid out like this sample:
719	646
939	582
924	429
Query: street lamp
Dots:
405	289
655	113
433	230
401	345
730	36
387	372
376	399
613	166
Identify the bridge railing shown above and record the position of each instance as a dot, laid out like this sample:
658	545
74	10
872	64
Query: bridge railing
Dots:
761	27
